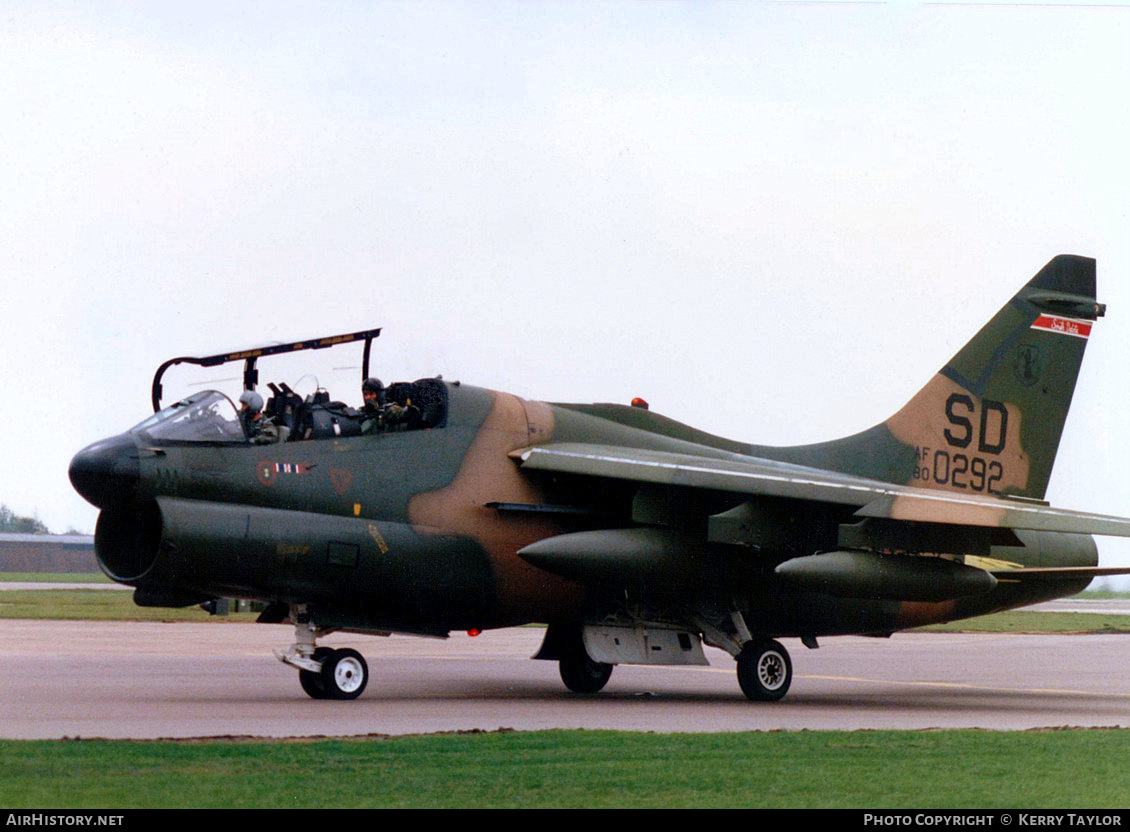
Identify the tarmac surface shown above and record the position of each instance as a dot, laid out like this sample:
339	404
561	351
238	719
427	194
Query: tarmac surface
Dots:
148	681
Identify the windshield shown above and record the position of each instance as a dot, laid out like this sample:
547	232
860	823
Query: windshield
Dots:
209	416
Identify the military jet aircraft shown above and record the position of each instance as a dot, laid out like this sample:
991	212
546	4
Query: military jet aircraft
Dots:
634	538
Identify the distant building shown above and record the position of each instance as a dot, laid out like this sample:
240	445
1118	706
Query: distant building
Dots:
47	553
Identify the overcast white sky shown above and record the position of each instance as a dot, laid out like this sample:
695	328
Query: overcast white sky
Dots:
774	221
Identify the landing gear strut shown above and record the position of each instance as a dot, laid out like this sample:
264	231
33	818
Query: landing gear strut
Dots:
323	672
311	680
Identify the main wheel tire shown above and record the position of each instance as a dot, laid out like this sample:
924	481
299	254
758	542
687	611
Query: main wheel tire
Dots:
583	675
312	682
344	674
764	671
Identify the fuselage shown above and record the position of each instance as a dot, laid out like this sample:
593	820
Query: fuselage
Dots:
419	530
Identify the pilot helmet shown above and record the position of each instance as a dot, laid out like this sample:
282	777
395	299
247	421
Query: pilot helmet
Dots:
252	399
372	385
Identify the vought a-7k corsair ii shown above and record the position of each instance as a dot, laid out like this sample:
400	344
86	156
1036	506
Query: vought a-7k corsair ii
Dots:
634	538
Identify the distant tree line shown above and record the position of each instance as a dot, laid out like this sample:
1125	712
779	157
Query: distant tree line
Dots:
13	523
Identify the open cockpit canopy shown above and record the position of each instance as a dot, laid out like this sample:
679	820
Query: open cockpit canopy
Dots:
250	357
211	416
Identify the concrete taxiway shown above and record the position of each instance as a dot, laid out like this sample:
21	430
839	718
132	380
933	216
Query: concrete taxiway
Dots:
145	681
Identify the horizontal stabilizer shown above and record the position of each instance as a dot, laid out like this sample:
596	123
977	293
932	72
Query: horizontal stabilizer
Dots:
921	506
1057	573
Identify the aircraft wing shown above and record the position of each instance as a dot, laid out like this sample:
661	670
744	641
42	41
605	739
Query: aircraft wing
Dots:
758	476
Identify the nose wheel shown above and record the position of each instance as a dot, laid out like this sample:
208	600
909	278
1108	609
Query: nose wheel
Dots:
344	674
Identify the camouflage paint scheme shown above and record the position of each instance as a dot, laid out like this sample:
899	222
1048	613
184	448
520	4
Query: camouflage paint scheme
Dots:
515	511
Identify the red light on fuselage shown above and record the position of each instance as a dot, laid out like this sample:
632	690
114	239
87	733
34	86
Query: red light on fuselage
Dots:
638	402
473	632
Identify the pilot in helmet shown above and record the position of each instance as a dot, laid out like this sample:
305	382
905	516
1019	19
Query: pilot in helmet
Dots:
259	430
371	391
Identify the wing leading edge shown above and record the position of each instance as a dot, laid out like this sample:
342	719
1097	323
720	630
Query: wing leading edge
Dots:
763	477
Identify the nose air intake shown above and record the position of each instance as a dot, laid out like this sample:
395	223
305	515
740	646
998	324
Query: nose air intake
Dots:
106	473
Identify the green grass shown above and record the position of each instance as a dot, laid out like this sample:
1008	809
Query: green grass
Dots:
1102	594
97	605
55	577
874	770
1025	621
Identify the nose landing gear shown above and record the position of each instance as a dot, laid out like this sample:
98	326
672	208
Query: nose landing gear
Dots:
323	672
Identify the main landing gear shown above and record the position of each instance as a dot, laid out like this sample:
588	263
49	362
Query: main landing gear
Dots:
764	670
323	672
581	674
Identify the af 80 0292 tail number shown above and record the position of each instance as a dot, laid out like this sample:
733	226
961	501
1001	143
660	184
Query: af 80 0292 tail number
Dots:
986	432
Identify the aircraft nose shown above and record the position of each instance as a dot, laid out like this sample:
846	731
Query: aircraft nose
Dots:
108	471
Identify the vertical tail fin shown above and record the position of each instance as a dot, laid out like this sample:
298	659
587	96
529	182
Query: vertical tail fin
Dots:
990	421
